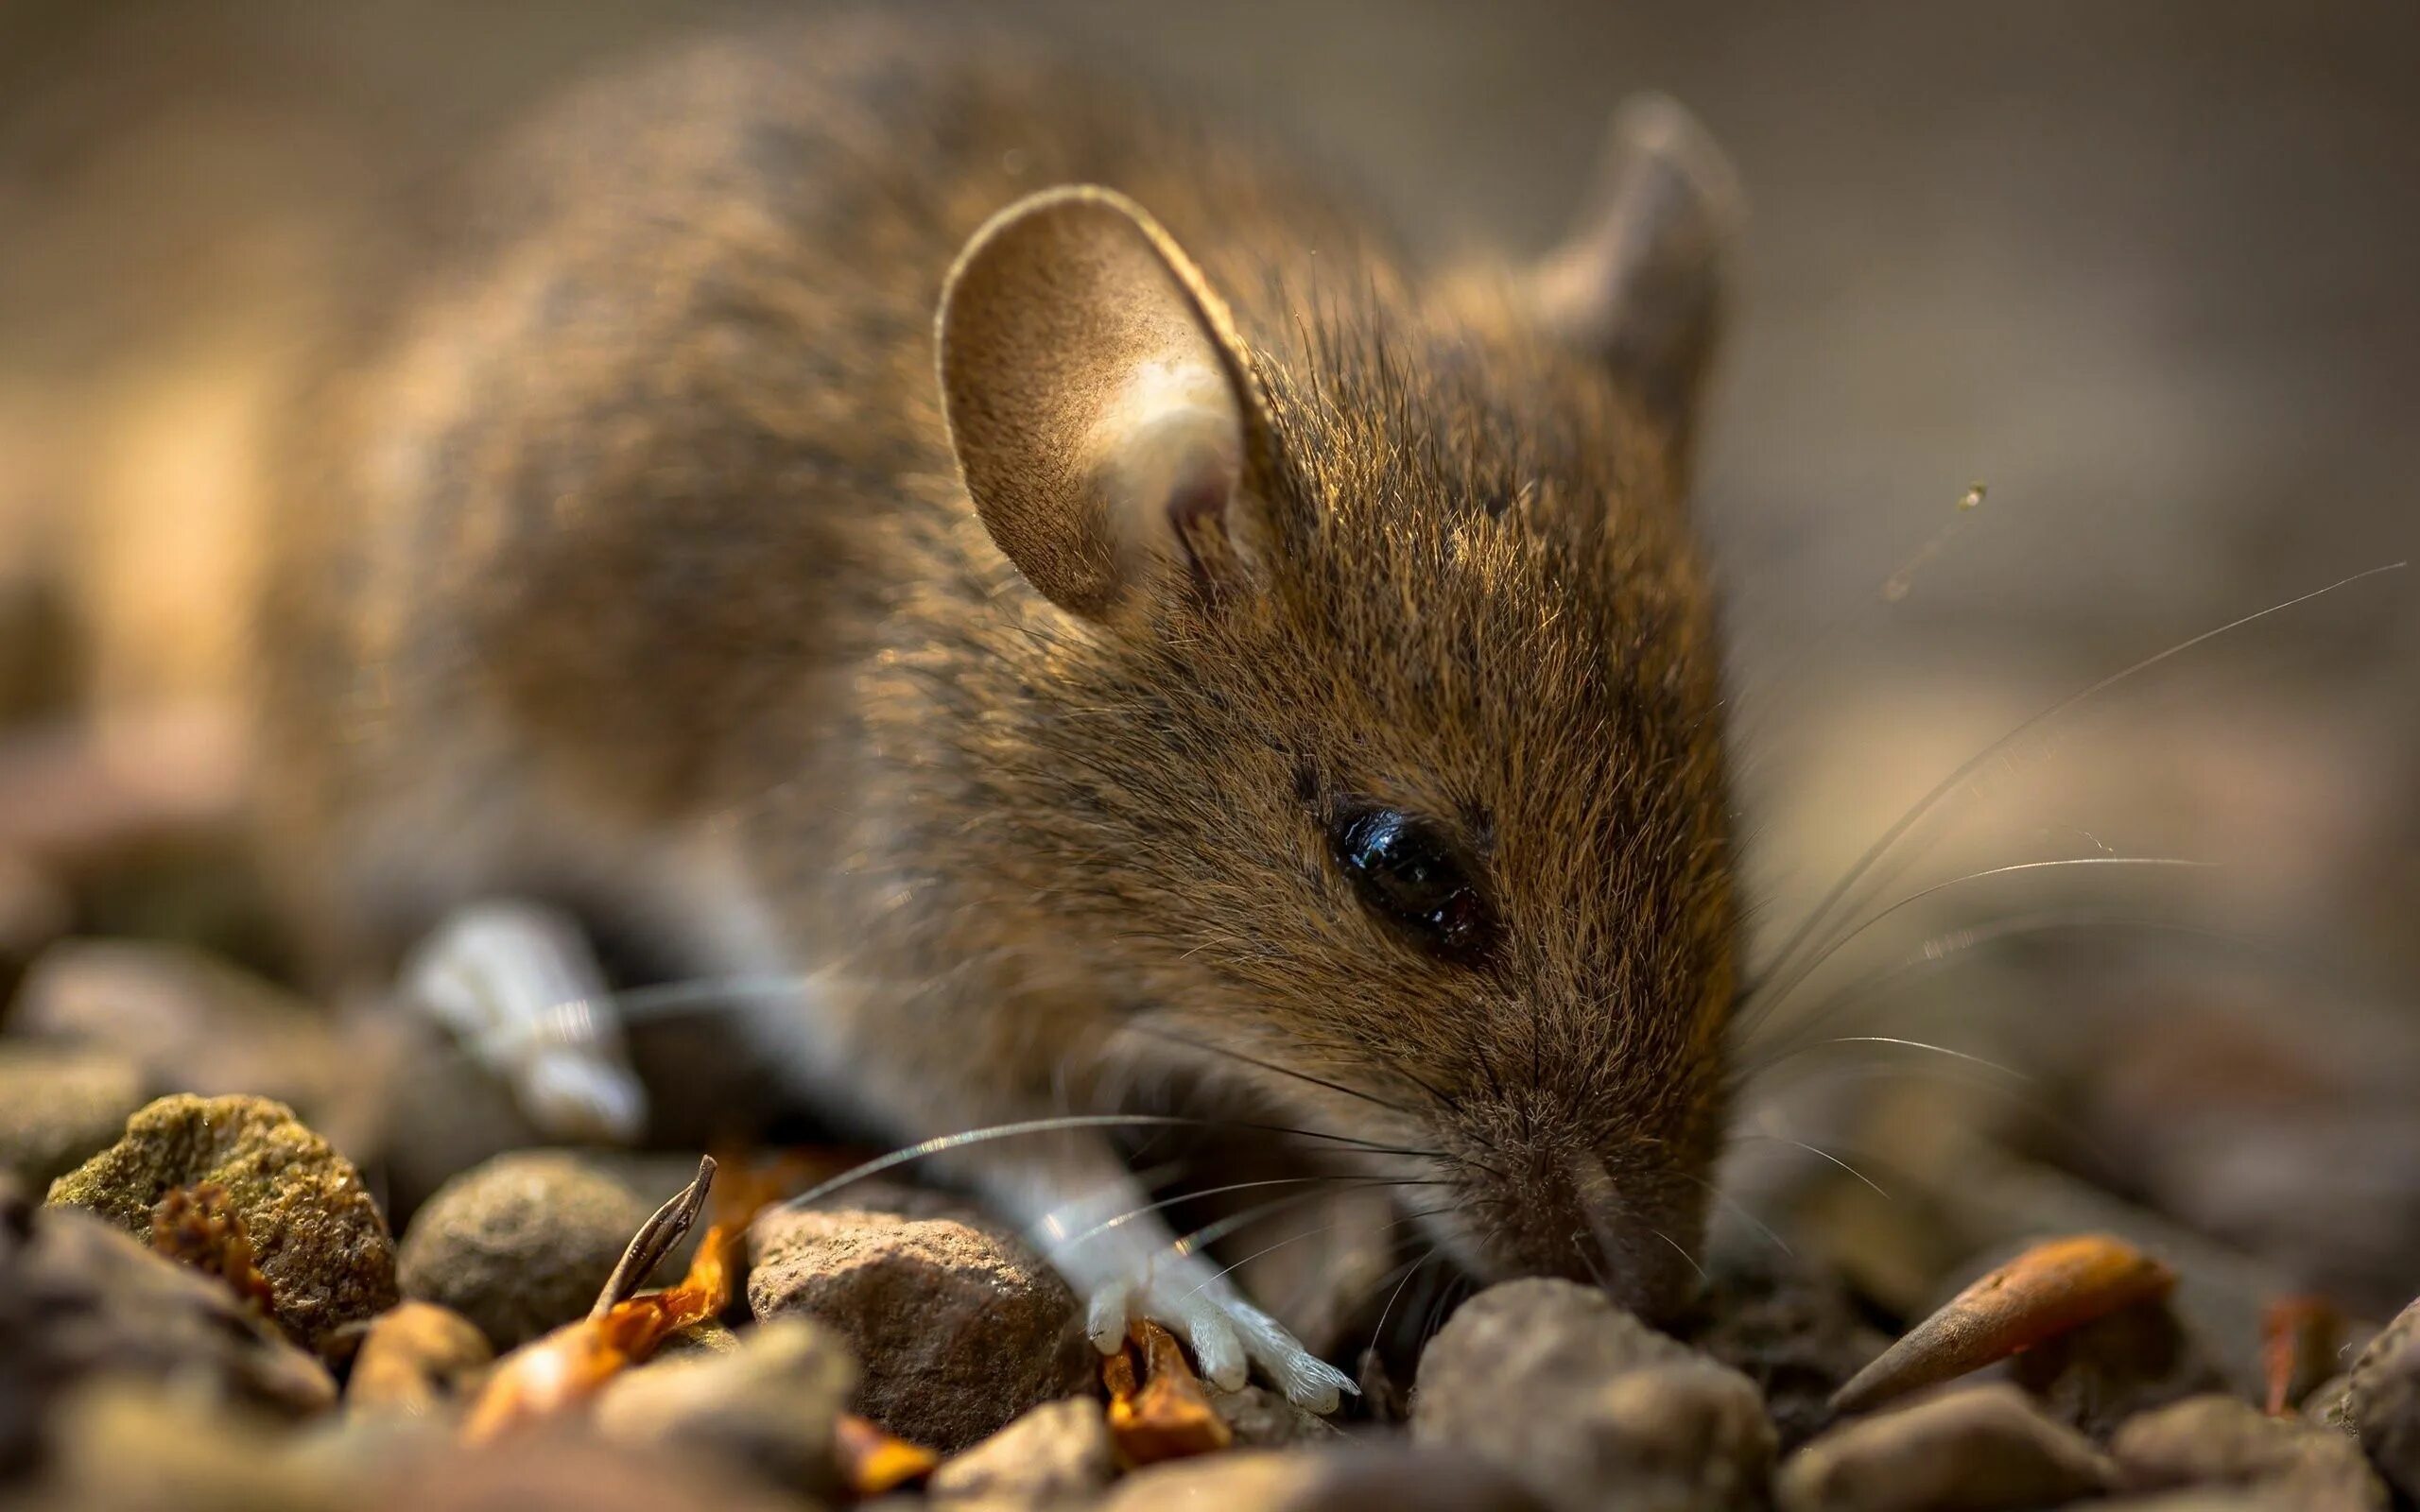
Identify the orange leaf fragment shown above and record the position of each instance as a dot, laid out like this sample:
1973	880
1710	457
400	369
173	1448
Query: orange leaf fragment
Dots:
199	1226
2050	1289
2299	1337
873	1461
1158	1408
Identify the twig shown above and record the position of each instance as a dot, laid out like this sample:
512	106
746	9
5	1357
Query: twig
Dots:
655	1240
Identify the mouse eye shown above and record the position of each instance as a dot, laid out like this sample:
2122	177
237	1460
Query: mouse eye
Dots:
1411	873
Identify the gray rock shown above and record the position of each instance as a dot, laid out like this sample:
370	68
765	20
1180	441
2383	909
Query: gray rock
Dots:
1977	1448
1058	1451
2384	1401
319	1239
1588	1405
768	1405
1356	1478
80	1301
1263	1419
2226	1441
523	1244
957	1326
60	1106
418	1359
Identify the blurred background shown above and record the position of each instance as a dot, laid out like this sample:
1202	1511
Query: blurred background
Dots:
2151	272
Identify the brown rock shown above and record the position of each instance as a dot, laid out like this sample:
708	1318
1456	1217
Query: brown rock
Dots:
1588	1405
1977	1448
523	1244
60	1106
1057	1453
768	1406
2224	1440
2384	1401
315	1234
418	1359
958	1324
1356	1478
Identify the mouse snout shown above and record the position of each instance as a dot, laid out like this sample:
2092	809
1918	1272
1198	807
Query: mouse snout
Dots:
1628	1222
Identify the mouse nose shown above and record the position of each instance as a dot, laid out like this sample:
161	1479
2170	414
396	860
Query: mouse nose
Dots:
1632	1234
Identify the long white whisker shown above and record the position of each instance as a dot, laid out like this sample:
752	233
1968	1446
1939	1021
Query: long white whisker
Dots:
1932	799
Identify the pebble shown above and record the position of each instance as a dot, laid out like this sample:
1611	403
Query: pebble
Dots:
418	1359
957	1326
1974	1449
80	1301
2224	1440
524	1243
768	1405
60	1106
2384	1401
1355	1478
1058	1451
318	1237
1553	1382
1262	1419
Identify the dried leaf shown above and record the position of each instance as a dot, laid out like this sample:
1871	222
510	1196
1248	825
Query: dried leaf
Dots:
2045	1292
873	1461
575	1361
199	1226
2299	1337
1158	1408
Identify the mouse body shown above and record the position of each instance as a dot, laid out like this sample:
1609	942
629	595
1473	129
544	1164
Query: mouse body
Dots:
879	508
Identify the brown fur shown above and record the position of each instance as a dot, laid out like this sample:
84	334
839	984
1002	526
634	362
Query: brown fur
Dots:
634	567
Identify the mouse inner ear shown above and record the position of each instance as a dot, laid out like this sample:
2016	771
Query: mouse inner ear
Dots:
1639	281
1101	409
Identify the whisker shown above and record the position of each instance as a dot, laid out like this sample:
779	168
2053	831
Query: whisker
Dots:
1772	992
1736	1206
944	1142
1955	947
1678	1248
1948	785
1821	1155
1921	1044
1308	1234
1409	1272
1210	1233
1154	1032
1165	1203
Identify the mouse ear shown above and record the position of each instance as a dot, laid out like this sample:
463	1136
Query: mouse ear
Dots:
1639	281
1103	412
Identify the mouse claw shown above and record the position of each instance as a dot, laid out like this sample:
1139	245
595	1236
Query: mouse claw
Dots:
1107	1311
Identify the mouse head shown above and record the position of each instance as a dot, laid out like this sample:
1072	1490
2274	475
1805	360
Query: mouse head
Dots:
1365	720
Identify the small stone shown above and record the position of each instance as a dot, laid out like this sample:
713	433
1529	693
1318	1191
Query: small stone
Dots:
957	1326
768	1405
2385	1400
60	1106
523	1244
1975	1449
2330	1405
1058	1451
1355	1478
2224	1440
418	1359
2096	1376
123	1443
566	1471
1588	1405
1263	1419
79	1300
318	1237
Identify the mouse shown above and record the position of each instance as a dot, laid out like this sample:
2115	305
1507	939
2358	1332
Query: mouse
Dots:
1059	584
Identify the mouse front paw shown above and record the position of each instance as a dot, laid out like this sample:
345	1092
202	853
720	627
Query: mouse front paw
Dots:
1228	1336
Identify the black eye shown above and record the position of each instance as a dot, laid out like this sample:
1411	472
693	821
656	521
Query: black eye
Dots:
1411	873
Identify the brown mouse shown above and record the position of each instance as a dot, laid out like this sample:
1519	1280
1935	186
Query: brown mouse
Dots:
879	507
